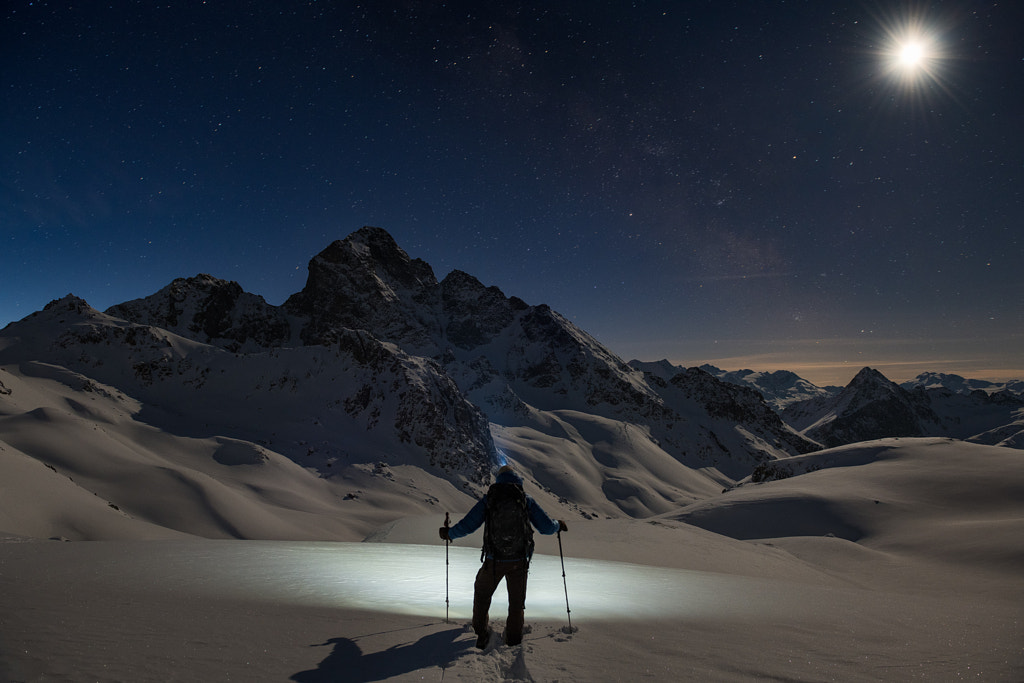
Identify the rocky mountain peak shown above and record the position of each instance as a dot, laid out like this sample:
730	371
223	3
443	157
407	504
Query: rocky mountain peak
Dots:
870	386
365	281
870	407
869	377
210	310
69	303
372	259
662	369
459	281
780	388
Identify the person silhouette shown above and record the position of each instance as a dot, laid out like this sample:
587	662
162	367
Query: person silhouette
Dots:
509	517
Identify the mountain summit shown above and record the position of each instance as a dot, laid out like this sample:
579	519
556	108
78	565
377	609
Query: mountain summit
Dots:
377	364
366	281
870	407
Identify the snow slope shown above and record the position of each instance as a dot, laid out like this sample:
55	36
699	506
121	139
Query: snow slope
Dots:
77	463
891	560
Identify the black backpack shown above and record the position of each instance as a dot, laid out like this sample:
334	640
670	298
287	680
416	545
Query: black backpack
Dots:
508	534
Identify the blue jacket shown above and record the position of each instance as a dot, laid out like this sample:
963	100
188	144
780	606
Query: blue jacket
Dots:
475	517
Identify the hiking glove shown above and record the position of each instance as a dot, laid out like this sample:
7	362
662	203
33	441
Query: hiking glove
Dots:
562	526
443	531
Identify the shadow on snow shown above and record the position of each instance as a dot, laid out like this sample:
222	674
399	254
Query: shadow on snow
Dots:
348	663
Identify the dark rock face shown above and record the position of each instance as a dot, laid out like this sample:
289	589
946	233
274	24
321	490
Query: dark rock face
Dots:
366	281
740	404
474	314
211	311
430	412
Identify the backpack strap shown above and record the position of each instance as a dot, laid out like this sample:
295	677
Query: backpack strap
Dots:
487	525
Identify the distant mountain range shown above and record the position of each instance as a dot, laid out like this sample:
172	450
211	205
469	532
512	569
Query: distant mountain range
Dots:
779	388
376	365
959	385
873	407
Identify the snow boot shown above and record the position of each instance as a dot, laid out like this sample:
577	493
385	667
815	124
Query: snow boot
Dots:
514	627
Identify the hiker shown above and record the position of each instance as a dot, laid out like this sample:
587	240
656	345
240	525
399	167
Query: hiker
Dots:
507	514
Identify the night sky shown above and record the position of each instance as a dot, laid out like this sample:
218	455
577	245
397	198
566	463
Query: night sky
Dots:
754	184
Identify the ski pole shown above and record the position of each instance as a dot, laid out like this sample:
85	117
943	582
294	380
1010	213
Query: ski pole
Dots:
447	542
568	612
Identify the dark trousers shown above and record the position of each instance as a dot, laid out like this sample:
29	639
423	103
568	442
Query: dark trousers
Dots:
487	579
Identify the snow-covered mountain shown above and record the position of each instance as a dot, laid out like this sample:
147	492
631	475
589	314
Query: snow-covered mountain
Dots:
961	385
390	384
870	407
990	418
779	388
364	409
970	409
376	365
873	407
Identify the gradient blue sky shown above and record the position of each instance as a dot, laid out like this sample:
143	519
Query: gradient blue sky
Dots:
749	184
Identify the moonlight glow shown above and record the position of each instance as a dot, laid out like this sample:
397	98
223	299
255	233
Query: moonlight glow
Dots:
912	52
913	59
911	55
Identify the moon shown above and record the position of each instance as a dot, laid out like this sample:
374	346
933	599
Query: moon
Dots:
912	55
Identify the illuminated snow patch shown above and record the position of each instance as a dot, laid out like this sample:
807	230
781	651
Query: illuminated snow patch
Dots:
410	579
